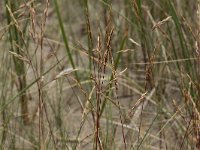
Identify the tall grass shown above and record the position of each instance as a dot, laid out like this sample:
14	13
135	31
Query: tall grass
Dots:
99	74
17	43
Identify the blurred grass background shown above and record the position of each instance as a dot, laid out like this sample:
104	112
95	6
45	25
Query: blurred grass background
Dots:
104	74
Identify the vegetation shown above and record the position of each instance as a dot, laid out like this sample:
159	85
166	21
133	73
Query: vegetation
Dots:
104	74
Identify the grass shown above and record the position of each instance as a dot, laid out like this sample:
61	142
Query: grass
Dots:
99	74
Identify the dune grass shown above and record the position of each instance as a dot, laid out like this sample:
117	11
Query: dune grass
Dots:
99	74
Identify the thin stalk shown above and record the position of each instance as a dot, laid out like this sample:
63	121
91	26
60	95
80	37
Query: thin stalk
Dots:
60	21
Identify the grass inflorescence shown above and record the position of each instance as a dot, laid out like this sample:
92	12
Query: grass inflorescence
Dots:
100	74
